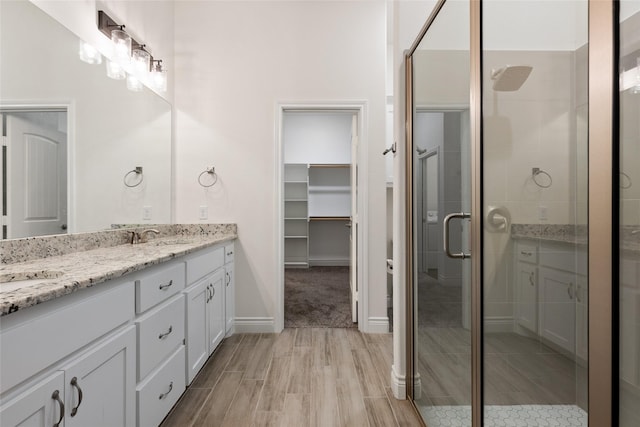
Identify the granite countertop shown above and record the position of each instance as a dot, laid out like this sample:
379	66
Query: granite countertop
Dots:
574	234
34	281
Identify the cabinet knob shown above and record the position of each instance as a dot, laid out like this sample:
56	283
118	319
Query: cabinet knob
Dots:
56	396
166	334
163	395
74	383
163	287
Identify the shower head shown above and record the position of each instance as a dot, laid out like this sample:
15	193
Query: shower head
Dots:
510	77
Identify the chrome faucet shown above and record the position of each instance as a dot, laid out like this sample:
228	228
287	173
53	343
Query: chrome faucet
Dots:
142	237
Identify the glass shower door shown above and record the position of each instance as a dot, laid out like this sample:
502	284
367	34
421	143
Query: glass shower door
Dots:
535	287
629	207
440	179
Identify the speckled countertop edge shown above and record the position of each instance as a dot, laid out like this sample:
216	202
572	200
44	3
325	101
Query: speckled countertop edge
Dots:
572	234
87	268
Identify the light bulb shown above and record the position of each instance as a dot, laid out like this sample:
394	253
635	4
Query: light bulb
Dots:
89	54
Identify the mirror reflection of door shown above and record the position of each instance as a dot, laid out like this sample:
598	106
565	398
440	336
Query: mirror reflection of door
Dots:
35	179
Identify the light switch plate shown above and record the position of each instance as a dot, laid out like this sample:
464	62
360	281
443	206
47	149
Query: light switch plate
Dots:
542	213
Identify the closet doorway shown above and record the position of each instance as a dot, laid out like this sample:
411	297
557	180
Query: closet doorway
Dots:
319	221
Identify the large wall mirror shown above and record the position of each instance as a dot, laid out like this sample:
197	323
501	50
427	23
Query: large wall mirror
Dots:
74	136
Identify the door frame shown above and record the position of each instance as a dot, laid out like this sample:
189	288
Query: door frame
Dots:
359	108
602	216
12	106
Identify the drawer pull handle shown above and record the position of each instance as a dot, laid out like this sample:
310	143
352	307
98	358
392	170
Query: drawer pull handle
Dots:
230	253
213	291
228	278
56	396
526	253
166	334
570	290
578	292
531	279
163	287
208	294
74	383
163	395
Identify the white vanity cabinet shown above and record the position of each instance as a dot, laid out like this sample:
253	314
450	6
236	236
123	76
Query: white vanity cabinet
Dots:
552	293
229	292
80	378
205	304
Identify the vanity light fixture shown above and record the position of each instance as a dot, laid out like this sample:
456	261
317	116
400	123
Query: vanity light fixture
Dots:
89	54
130	56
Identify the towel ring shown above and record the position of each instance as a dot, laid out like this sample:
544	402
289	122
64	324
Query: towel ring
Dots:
137	171
622	180
537	171
210	171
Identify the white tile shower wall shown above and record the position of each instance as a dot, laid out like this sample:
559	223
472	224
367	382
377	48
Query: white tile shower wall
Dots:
237	60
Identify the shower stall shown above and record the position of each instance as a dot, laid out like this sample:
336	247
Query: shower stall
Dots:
540	226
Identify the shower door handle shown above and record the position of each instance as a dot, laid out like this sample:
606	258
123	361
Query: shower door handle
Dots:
447	249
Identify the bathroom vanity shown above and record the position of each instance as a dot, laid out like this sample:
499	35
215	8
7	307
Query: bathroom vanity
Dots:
113	335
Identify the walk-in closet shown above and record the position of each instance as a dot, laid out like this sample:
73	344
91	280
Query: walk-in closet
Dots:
317	189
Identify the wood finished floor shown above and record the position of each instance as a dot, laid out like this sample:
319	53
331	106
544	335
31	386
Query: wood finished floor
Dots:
302	377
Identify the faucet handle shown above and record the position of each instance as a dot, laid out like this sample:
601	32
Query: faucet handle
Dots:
135	237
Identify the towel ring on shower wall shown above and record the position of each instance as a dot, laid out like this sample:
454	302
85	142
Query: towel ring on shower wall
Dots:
138	172
537	171
211	171
625	181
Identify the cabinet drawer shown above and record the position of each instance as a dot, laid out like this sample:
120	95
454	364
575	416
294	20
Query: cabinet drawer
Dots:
158	393
228	253
156	286
35	344
202	264
527	253
159	333
559	256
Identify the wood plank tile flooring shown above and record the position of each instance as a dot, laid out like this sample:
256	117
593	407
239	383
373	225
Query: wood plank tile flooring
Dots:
302	377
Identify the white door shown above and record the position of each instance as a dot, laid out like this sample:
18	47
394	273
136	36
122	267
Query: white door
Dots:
37	178
353	258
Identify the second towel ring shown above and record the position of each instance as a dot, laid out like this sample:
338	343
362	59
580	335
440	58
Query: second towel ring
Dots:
211	171
138	172
537	171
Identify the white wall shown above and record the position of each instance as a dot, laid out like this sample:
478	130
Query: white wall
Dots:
235	62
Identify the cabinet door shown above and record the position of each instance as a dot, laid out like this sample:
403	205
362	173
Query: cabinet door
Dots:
229	296
217	319
105	378
527	296
582	318
197	333
36	406
557	307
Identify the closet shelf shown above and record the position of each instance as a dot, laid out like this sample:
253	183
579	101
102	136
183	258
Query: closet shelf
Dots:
295	218
295	237
329	165
295	200
329	218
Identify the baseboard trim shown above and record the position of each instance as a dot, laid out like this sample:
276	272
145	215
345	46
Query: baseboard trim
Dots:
498	324
378	325
398	384
249	325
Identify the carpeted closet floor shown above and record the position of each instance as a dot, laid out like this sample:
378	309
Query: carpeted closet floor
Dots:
317	297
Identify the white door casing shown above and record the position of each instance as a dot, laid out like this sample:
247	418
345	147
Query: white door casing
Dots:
353	238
